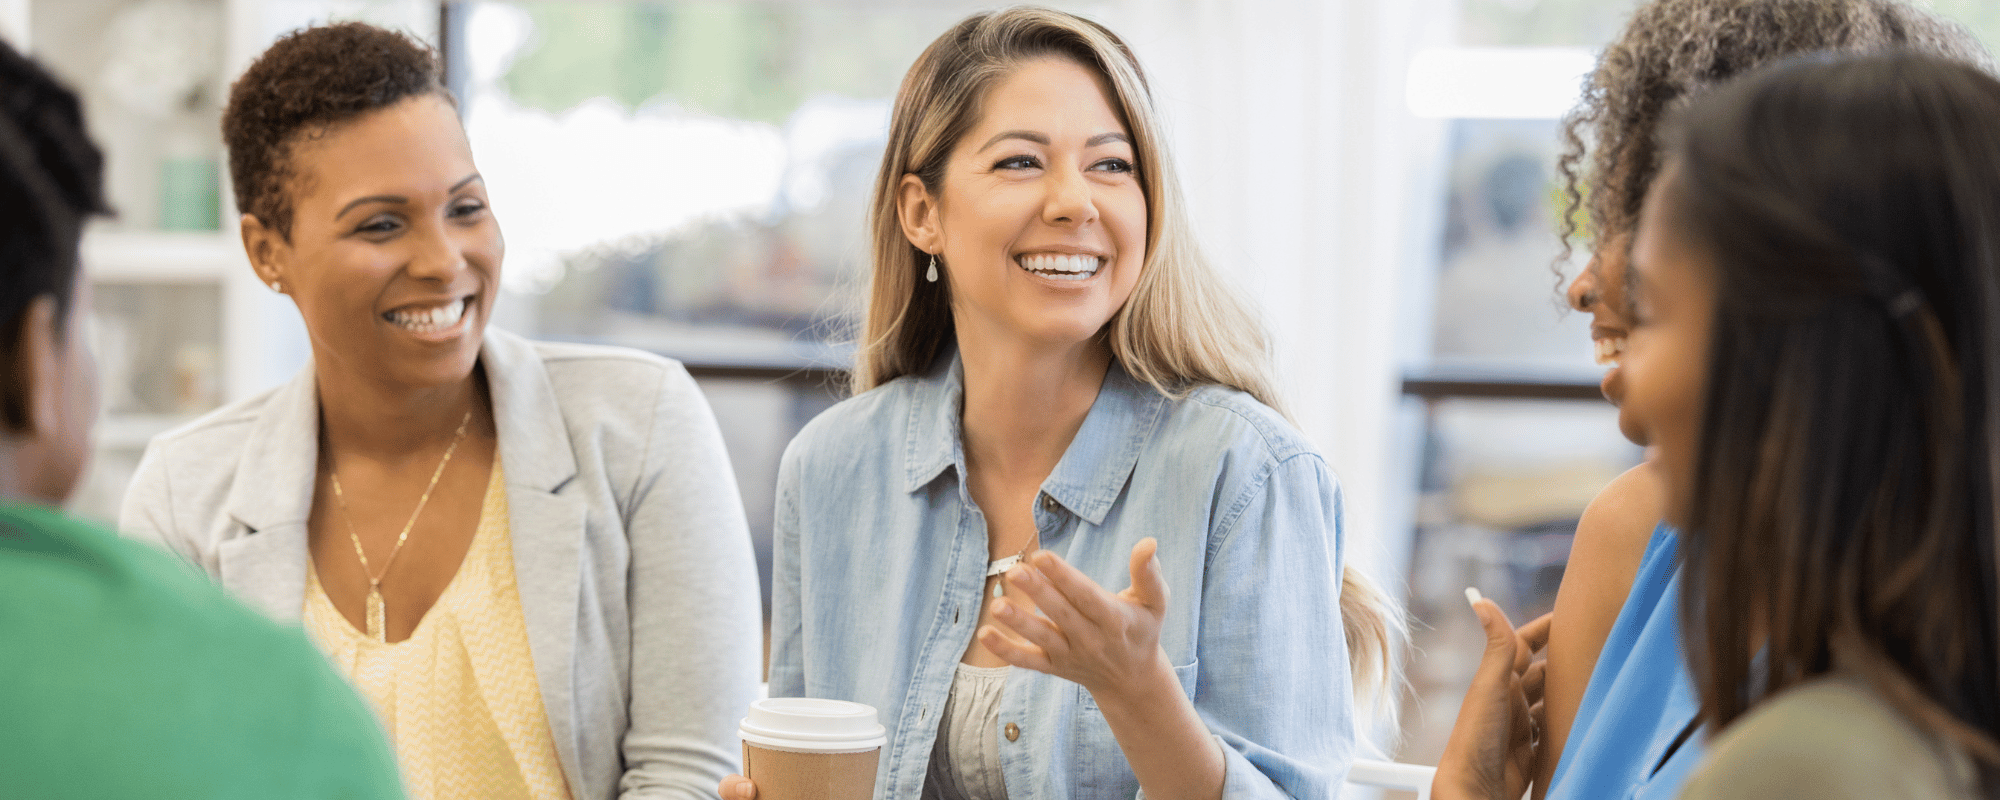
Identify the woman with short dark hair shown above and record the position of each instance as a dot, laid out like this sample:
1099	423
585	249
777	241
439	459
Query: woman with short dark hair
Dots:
530	557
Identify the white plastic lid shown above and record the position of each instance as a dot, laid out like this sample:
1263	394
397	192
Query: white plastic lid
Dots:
809	724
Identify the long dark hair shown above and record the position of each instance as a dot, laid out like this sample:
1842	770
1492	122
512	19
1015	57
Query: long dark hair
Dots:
1842	512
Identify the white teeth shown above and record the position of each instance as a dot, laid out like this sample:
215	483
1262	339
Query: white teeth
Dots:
1061	267
1608	350
429	320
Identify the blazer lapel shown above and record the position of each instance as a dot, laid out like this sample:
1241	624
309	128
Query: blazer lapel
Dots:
264	560
546	522
268	570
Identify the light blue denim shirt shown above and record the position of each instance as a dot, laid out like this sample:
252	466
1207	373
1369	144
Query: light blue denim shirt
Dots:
881	557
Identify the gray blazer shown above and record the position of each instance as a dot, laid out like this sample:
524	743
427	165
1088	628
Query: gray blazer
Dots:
630	547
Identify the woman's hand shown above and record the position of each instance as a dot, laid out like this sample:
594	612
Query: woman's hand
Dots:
1110	645
1491	752
737	787
1102	641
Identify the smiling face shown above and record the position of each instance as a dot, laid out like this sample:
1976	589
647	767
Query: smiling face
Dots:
1039	221
394	256
1600	292
1667	351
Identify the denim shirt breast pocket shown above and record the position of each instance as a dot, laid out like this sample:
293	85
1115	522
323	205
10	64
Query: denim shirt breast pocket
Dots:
1101	768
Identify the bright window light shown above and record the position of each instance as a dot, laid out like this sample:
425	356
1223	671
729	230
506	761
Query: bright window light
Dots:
1497	82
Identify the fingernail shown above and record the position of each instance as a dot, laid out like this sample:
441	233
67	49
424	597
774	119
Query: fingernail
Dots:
1472	596
1020	574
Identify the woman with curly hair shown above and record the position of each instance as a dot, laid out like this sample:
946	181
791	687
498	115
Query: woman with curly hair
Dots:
1816	282
1619	715
529	557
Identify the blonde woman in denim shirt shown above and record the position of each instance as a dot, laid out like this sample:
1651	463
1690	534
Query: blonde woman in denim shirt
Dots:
1050	376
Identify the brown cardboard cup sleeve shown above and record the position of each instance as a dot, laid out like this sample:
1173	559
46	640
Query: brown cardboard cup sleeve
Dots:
802	748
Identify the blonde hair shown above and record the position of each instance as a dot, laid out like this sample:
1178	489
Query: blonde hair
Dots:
1183	326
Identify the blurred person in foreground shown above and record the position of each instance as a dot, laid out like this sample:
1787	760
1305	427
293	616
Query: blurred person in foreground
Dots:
122	674
531	558
1815	307
1620	716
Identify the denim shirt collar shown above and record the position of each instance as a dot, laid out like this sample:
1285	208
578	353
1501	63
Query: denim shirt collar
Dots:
1092	472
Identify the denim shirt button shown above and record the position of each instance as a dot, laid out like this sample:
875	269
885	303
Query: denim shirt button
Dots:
1048	503
1013	732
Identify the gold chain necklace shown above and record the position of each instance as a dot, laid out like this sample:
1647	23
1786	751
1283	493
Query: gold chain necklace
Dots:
377	629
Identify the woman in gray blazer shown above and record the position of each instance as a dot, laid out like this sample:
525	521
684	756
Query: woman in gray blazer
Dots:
530	557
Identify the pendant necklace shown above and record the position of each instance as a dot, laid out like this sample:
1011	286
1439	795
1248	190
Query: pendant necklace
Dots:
1000	567
377	629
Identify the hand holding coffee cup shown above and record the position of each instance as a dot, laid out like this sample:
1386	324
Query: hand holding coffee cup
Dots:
802	748
1084	633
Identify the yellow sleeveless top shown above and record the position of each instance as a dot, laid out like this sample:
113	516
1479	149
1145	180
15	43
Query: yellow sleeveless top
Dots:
459	697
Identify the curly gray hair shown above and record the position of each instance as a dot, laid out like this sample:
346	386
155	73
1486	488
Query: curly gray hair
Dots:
1672	50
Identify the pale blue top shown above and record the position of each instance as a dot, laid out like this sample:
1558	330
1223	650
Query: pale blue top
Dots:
881	557
1640	699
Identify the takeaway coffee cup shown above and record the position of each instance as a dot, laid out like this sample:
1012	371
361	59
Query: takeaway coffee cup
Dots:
802	748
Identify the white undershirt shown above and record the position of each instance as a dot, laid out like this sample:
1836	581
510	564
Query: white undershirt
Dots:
965	761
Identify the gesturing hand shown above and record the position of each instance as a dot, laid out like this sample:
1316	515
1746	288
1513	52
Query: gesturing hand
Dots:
1084	633
1492	750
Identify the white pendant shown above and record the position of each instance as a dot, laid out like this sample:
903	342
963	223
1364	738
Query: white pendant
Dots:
999	568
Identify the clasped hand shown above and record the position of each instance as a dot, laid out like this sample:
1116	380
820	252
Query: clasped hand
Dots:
1075	629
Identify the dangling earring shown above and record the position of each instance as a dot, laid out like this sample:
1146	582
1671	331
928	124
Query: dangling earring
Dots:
932	274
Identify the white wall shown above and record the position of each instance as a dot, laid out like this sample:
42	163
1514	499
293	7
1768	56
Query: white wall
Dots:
14	22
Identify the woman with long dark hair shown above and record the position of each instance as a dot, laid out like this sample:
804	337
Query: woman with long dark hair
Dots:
1620	713
1837	227
1816	305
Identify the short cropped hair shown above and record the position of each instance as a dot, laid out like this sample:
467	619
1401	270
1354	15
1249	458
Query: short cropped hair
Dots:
307	83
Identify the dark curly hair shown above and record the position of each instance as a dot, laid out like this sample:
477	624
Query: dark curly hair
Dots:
1674	49
51	183
308	82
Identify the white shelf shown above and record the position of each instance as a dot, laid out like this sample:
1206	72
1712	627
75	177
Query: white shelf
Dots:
161	256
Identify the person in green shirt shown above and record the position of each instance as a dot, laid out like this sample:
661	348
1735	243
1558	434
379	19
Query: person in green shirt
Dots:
123	673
